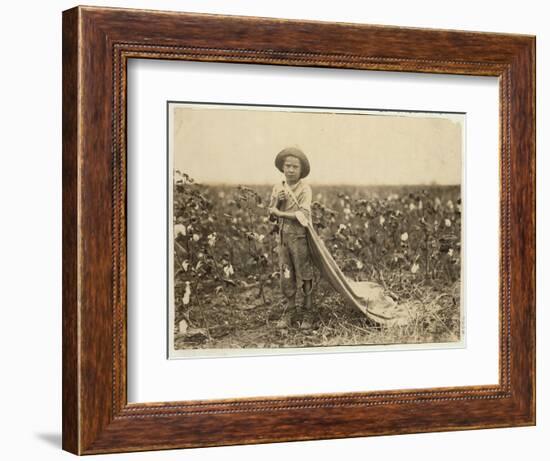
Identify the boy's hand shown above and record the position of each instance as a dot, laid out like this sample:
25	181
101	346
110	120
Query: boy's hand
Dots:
281	195
274	211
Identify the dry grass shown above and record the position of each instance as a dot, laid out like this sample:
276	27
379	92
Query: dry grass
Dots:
249	323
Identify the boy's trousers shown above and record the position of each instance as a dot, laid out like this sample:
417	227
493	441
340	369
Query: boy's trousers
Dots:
294	257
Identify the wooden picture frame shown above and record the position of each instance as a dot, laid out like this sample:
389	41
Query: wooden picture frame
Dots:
97	44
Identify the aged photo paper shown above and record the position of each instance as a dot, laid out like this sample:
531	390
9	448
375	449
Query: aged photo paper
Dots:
307	230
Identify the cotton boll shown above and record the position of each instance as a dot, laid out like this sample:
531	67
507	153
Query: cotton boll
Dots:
186	294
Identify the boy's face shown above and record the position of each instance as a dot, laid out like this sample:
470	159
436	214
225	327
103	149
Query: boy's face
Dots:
292	168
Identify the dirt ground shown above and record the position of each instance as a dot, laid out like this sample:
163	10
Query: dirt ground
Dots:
249	322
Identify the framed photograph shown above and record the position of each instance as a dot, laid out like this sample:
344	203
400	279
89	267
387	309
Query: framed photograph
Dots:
282	230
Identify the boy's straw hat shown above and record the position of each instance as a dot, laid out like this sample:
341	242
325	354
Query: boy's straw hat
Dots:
295	152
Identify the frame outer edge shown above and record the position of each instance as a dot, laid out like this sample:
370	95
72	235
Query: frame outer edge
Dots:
96	243
533	56
530	141
88	424
70	273
523	233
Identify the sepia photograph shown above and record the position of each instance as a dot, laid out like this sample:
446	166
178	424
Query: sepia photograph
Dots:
313	229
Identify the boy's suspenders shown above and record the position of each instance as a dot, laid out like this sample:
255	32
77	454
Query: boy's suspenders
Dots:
289	190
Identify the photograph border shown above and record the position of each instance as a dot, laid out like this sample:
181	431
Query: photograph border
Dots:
291	350
97	44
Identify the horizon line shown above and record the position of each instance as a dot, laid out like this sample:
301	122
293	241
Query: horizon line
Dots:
312	184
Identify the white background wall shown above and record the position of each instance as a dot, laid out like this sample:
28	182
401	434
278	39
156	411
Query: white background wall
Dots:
30	228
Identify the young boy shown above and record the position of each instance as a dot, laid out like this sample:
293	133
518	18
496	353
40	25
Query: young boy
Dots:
291	204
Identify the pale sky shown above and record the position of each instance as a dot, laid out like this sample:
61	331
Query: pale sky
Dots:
238	145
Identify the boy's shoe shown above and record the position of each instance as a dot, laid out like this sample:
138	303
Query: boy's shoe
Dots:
283	322
279	311
308	321
296	317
